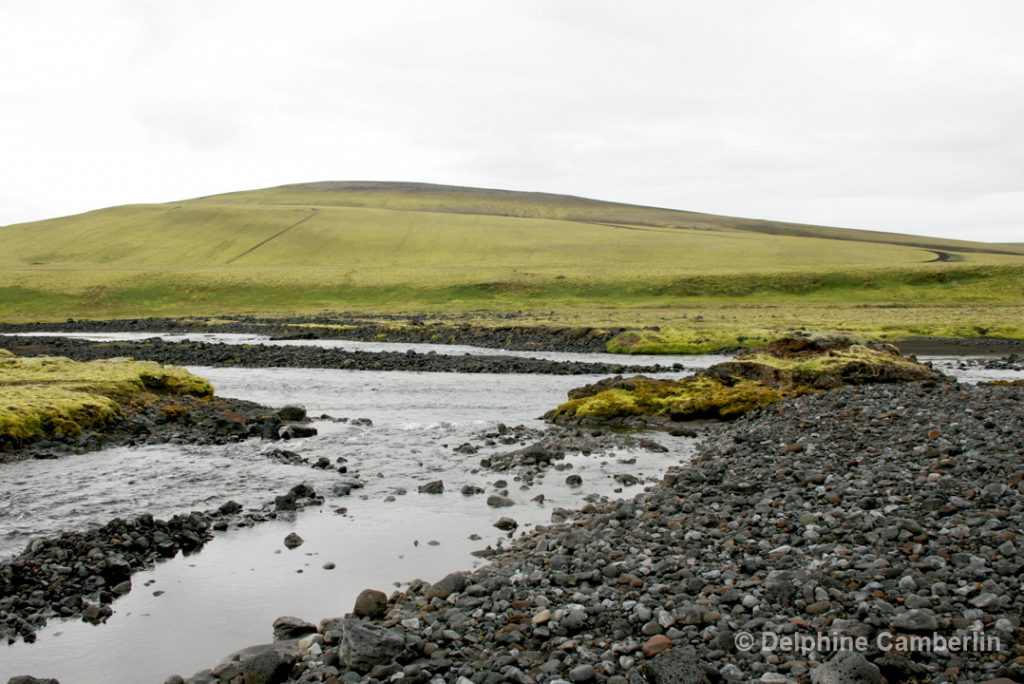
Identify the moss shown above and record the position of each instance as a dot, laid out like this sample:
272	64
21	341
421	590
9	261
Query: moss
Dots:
785	369
53	397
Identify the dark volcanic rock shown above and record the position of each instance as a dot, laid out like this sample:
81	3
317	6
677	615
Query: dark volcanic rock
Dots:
365	645
287	627
371	604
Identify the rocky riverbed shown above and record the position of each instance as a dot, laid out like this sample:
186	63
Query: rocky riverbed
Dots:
876	512
195	353
500	331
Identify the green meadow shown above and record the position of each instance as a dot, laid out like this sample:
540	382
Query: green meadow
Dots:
444	251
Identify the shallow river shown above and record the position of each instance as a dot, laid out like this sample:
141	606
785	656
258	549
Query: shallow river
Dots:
227	596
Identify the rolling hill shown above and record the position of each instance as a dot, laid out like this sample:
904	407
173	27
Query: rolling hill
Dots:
336	246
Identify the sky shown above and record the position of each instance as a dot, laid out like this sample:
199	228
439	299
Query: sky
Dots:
900	115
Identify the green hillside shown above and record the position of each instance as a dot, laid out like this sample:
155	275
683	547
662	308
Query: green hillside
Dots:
337	246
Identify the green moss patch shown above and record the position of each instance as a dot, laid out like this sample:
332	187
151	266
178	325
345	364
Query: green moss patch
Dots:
51	397
785	369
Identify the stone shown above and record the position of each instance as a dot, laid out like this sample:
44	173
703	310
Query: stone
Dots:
371	603
655	645
506	524
292	413
916	620
542	617
364	646
288	627
297	432
266	667
293	541
434	487
674	666
455	583
26	679
846	667
581	673
499	501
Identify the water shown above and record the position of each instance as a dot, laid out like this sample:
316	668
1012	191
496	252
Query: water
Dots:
227	596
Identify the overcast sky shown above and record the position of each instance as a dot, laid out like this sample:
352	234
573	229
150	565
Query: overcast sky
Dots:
896	115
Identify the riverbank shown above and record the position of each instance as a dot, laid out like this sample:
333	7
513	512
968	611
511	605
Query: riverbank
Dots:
865	512
656	331
194	353
51	406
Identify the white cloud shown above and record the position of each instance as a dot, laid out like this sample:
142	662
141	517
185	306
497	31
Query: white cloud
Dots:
903	116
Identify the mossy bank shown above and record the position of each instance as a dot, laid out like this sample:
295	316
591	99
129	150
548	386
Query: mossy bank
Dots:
786	368
51	406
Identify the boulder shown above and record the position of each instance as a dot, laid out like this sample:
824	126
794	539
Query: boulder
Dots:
506	524
435	487
292	413
293	541
288	627
266	667
455	583
371	604
364	646
297	431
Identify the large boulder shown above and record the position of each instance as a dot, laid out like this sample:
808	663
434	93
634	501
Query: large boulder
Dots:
371	604
364	646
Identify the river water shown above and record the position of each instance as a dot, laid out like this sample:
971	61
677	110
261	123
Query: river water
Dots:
227	596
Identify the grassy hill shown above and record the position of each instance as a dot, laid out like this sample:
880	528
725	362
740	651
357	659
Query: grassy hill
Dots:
342	246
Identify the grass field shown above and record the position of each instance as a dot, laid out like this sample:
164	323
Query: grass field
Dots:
392	247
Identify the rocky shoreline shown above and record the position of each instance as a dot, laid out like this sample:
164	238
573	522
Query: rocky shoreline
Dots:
520	332
80	573
267	356
181	420
873	512
516	335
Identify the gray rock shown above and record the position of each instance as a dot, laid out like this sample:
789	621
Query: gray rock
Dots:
499	501
365	646
292	413
26	679
435	487
266	667
293	541
506	524
846	667
676	666
288	627
296	432
581	673
455	583
916	620
371	604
